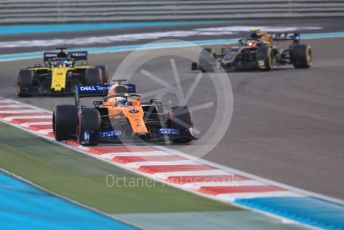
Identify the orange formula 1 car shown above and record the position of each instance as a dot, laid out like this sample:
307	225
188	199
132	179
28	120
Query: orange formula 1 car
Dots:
120	115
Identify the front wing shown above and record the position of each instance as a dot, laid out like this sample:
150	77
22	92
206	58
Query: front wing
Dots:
119	135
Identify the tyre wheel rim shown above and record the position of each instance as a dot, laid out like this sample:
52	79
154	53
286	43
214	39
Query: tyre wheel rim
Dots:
309	57
18	89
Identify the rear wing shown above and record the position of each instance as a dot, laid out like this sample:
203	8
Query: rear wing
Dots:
97	91
77	55
131	88
90	91
286	37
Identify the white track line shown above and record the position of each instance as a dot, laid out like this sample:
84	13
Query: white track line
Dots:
214	183
11	106
214	172
108	39
44	131
160	163
233	196
131	154
5	100
28	124
27	117
18	111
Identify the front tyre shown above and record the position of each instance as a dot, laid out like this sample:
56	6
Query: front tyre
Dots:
24	82
268	63
265	58
64	121
88	127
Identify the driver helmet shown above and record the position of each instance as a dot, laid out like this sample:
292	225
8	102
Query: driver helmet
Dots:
121	100
255	33
65	63
254	30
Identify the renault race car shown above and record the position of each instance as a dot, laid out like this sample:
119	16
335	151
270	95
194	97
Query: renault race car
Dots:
254	53
119	116
59	74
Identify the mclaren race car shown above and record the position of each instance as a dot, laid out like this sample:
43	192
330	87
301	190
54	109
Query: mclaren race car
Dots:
257	53
59	74
119	116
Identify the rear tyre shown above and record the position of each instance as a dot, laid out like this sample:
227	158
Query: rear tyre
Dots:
93	76
24	82
105	73
180	118
301	56
64	121
88	127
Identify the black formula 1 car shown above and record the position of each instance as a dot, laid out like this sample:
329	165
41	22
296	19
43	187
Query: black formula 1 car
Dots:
120	116
257	54
59	74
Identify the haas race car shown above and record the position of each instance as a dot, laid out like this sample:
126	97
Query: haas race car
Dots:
59	74
257	54
120	115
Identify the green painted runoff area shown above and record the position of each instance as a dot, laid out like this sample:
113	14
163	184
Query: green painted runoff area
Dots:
83	178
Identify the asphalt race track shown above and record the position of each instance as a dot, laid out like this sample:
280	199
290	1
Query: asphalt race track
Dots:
287	125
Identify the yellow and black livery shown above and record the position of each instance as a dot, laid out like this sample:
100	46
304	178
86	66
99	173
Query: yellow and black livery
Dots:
59	74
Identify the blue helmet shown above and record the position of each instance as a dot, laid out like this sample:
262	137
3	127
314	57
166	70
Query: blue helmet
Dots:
121	100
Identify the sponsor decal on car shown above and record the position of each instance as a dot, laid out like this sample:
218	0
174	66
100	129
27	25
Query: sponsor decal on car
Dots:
168	131
95	88
112	133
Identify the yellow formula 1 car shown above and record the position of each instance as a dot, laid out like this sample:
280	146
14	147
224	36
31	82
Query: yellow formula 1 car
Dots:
60	74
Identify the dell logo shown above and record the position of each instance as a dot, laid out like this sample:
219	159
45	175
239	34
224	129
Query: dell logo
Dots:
90	88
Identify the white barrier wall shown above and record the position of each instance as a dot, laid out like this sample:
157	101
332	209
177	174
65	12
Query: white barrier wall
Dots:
35	11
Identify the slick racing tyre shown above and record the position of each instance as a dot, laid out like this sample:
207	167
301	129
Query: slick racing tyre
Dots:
64	121
24	82
88	127
105	73
264	55
94	76
180	118
268	63
301	56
